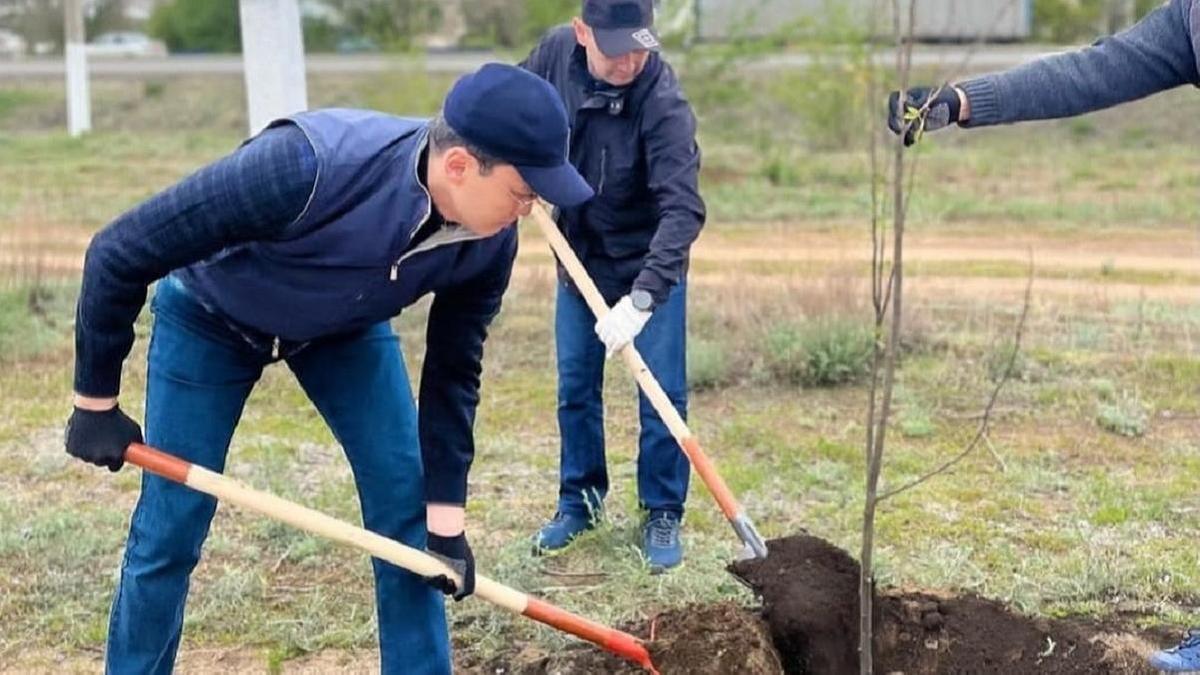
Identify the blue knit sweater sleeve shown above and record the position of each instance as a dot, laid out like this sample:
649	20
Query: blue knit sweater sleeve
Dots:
1153	55
254	193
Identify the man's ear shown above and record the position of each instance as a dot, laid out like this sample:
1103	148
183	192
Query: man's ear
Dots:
456	164
582	34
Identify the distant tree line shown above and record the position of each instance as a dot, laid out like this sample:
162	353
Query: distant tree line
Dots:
41	21
213	26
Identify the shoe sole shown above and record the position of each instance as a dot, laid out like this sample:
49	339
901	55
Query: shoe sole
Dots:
656	570
540	552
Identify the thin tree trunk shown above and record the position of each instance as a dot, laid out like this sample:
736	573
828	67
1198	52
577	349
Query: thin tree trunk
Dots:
877	434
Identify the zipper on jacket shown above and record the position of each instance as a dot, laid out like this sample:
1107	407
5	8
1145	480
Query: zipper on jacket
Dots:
395	271
453	234
275	349
603	169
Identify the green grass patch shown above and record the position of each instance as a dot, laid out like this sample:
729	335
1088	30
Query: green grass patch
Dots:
14	99
1125	415
824	352
33	320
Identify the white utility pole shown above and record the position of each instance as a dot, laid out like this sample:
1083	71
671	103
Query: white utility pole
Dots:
273	54
79	106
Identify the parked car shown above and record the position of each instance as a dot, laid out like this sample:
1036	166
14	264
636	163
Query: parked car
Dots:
126	43
12	46
355	44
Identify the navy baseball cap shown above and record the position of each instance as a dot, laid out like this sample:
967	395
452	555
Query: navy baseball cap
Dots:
518	118
621	26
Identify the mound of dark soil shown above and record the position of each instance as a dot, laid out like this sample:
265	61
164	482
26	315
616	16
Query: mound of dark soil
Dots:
922	633
810	599
809	589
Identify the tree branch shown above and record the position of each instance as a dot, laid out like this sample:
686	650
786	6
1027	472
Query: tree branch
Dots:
981	432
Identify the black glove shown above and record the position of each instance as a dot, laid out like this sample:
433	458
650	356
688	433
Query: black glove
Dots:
100	437
455	552
944	109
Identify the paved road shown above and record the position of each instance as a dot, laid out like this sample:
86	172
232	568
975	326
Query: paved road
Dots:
990	57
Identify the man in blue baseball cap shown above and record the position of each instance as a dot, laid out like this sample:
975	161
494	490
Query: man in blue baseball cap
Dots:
298	248
634	140
620	27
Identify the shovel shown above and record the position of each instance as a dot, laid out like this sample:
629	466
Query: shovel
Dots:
754	544
418	562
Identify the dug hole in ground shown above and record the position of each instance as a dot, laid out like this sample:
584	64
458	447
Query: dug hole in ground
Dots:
808	625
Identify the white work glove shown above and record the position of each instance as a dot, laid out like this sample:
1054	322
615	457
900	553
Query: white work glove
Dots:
621	325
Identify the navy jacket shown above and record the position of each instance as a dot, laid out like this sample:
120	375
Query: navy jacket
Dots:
636	146
346	261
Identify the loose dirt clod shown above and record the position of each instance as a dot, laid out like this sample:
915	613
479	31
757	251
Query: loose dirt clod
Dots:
713	640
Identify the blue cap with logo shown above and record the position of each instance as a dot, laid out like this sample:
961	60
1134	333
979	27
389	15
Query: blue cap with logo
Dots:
621	26
518	118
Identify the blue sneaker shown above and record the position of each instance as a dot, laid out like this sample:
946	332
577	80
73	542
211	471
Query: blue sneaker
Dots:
557	534
1182	658
660	541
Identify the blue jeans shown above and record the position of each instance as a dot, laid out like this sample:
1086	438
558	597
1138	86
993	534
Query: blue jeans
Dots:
200	372
663	469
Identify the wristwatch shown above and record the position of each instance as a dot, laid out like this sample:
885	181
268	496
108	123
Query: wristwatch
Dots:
641	300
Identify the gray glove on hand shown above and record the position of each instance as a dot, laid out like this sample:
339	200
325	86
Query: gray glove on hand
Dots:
923	113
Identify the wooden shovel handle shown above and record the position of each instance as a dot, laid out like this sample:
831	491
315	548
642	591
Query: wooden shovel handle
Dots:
417	562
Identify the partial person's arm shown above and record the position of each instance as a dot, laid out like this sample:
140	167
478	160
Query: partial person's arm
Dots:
450	379
253	193
673	167
1151	56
